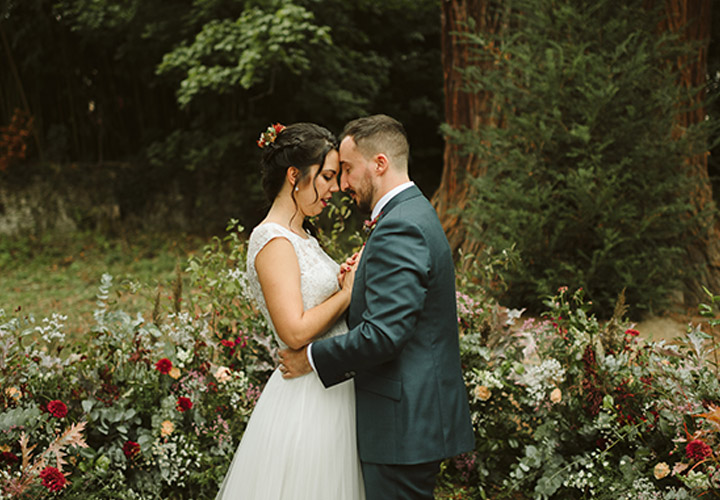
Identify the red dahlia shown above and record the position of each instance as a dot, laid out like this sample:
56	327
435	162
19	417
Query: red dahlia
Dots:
164	366
697	450
184	404
131	449
9	457
53	479
57	408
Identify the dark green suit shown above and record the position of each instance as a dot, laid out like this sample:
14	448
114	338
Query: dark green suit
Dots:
402	347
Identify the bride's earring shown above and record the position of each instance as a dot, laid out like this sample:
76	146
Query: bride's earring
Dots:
296	188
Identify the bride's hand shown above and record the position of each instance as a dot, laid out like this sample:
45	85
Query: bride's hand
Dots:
347	276
349	265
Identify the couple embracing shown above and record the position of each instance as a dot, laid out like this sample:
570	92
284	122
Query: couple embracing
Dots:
369	397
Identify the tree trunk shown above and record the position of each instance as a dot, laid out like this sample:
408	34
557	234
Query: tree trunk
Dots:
462	110
692	20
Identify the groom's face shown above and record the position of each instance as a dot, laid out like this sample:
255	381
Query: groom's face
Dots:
356	179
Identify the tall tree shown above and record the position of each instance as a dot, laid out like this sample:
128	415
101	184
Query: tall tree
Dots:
463	109
691	20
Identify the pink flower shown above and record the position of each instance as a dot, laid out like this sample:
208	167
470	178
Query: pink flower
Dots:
53	479
697	450
184	404
164	366
57	408
131	449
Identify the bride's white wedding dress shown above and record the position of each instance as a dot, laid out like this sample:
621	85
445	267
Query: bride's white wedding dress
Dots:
300	442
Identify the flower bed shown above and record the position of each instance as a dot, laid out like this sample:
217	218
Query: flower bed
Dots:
564	407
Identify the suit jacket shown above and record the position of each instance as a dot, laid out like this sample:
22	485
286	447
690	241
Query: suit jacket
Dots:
402	347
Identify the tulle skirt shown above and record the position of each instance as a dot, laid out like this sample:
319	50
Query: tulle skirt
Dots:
300	444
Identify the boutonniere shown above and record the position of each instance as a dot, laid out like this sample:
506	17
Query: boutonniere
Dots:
369	225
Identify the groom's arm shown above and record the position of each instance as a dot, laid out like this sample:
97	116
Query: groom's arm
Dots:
397	271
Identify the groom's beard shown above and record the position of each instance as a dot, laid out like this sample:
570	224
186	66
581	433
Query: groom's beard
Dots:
363	196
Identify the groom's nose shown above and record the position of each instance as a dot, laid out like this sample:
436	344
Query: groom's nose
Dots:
344	186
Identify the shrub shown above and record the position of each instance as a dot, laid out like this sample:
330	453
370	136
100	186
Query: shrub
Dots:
585	171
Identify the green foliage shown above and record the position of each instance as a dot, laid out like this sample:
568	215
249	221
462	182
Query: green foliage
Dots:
563	407
219	351
585	172
246	51
181	89
572	408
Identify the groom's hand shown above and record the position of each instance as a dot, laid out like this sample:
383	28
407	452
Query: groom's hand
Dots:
294	363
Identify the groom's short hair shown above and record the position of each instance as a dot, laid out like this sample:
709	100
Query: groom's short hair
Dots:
377	134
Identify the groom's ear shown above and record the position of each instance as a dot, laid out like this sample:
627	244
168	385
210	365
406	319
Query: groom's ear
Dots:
382	163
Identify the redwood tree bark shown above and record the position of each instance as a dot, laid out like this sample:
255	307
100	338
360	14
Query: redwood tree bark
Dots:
692	20
462	109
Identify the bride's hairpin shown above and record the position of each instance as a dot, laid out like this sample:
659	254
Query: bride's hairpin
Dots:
270	134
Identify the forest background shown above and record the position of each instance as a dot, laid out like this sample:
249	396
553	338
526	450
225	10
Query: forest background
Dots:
124	118
569	146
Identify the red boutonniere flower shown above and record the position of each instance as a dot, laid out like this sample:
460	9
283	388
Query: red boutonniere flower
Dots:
369	225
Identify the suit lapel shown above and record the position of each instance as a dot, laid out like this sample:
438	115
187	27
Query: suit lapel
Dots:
357	304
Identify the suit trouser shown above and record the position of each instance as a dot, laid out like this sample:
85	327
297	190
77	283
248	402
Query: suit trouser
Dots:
400	482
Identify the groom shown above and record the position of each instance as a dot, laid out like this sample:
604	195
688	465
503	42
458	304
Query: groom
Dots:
402	347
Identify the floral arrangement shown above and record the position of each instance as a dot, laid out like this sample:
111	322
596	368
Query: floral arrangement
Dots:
149	408
563	406
269	135
570	407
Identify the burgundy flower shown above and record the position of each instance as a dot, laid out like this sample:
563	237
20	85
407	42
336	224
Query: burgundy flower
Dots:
53	479
184	404
697	450
9	457
164	366
57	408
369	225
131	449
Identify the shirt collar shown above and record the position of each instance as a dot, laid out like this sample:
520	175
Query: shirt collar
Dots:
389	196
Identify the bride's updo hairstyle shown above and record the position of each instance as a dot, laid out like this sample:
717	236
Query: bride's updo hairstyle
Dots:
300	145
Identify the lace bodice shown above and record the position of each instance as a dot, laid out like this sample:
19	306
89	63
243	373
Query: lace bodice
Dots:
318	272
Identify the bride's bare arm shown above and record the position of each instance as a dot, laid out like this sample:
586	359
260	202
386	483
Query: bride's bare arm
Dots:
279	274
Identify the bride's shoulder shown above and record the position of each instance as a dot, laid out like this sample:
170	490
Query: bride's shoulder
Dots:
265	232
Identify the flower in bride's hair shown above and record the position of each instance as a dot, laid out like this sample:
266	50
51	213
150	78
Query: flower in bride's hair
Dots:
270	134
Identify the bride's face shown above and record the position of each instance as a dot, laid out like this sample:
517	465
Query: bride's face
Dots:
315	192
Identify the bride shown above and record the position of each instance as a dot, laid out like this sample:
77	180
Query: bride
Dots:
300	442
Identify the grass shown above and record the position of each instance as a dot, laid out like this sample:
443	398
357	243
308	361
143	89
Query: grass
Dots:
61	273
